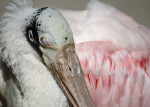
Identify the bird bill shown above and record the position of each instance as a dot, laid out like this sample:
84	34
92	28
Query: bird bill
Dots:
67	72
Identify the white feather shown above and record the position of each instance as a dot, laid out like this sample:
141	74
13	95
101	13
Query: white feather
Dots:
35	80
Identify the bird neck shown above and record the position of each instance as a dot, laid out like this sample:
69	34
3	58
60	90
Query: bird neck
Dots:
31	82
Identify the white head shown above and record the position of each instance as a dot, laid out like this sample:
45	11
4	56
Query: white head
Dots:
46	31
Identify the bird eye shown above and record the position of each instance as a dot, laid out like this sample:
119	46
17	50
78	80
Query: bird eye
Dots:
44	42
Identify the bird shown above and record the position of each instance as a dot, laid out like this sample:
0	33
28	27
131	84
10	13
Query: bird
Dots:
114	53
39	66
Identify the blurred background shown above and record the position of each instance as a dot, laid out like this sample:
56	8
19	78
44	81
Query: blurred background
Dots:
137	9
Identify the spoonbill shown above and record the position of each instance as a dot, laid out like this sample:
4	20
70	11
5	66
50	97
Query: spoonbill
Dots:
113	51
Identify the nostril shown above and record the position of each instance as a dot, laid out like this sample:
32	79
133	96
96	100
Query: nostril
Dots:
70	69
66	38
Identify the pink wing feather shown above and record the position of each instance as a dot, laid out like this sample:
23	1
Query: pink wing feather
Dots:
114	52
115	76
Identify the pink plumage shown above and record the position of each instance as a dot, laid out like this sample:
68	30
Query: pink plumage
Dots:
114	52
115	76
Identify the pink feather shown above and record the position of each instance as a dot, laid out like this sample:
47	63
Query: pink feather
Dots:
114	52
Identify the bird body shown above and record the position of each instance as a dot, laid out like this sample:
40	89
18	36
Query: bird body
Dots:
114	52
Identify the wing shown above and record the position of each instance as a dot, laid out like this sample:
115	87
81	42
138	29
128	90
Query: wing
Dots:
114	76
114	52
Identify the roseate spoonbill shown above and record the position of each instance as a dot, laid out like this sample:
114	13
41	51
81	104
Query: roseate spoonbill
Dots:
114	52
115	59
39	66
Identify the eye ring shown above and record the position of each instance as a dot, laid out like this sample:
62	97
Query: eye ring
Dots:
44	42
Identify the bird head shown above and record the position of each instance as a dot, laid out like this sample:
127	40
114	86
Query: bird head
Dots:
50	35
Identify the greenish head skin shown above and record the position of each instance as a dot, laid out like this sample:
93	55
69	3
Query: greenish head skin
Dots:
50	35
55	28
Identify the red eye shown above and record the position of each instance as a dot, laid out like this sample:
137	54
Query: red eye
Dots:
44	42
